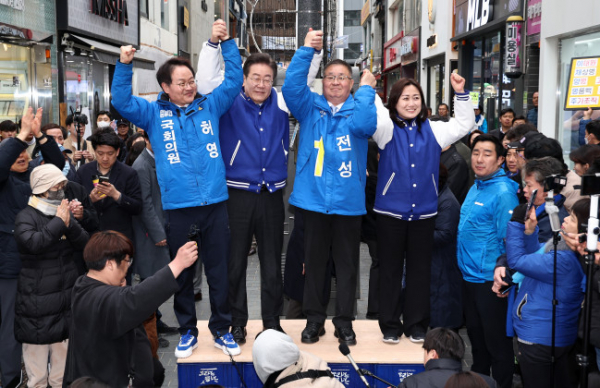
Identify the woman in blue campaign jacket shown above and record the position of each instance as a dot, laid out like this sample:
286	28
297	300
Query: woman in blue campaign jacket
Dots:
407	200
532	309
185	140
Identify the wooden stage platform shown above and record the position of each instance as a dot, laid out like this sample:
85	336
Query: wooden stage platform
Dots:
209	365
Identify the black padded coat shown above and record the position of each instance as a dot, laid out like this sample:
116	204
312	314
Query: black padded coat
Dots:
47	276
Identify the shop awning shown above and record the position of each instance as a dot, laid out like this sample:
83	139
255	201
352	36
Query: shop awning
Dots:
107	53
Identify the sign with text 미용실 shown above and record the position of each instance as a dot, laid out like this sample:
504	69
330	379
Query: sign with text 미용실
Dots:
583	89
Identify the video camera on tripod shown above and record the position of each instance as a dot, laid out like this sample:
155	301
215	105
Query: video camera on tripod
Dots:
78	120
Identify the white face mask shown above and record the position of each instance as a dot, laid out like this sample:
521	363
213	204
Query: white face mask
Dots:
103	124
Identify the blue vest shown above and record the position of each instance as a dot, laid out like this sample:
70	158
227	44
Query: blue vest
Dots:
407	184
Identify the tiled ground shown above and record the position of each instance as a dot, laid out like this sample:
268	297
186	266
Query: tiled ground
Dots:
167	356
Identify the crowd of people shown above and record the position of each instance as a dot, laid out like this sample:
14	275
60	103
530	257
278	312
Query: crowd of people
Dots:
459	221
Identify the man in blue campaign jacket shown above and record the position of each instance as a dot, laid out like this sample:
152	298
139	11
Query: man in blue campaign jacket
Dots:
481	233
330	180
254	136
183	127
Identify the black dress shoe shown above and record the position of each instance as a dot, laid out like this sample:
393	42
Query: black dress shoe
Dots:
239	334
345	335
312	332
163	328
198	296
277	327
163	343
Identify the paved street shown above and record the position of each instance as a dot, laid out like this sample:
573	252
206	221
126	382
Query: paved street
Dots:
167	356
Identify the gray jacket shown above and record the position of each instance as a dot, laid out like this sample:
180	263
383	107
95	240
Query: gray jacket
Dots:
149	226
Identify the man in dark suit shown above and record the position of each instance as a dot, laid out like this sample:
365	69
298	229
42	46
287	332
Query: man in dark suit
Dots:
151	247
119	198
507	116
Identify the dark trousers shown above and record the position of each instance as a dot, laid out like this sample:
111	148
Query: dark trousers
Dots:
10	349
397	241
340	235
536	366
213	243
373	303
485	314
260	214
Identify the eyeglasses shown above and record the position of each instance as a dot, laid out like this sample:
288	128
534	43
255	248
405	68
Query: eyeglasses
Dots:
182	85
333	78
256	81
129	262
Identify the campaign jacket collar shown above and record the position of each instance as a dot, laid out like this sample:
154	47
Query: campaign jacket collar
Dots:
498	174
164	100
348	105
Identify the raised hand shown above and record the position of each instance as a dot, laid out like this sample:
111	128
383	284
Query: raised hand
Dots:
219	31
314	39
457	82
587	115
368	78
36	123
26	123
127	53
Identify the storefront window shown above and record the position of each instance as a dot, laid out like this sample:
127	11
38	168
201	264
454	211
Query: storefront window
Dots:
568	124
78	84
495	89
15	76
436	86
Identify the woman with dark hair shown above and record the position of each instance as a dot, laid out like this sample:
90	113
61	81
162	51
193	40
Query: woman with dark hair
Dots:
532	310
584	157
472	137
407	202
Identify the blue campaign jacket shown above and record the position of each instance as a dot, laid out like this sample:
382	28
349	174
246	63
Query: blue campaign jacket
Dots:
185	141
332	153
482	227
532	309
254	141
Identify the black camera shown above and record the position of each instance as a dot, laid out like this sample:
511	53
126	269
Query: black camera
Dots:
590	184
555	182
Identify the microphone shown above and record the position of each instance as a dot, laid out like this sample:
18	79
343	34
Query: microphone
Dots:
346	352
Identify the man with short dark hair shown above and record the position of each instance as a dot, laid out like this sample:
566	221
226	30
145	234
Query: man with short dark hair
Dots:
118	197
443	353
443	110
103	119
532	114
507	116
183	127
8	129
481	232
107	338
330	181
254	136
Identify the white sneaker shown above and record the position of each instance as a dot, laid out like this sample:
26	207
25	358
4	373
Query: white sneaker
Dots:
228	345
187	343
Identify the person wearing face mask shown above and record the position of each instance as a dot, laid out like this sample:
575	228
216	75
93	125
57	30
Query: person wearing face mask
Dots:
407	202
15	190
103	119
47	235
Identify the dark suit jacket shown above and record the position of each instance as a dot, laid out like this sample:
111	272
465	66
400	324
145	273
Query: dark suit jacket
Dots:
148	227
113	215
